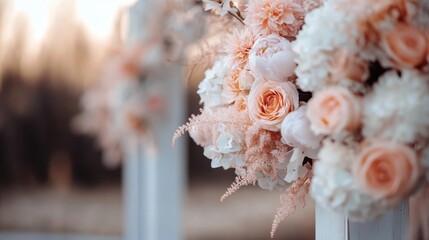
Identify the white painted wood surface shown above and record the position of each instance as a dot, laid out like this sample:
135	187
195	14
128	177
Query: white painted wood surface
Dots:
333	226
330	225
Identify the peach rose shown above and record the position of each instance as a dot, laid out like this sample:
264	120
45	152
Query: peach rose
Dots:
387	170
406	45
347	66
333	110
269	103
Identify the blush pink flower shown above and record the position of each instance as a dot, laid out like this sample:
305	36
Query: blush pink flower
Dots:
272	57
237	47
269	103
283	17
241	103
347	66
333	110
406	45
387	170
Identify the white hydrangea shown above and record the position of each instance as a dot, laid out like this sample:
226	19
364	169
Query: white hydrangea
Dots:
210	89
326	31
226	151
334	187
397	109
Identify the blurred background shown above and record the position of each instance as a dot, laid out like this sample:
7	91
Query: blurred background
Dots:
53	180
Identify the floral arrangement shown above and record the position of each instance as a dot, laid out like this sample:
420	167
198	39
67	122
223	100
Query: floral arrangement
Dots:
368	70
360	144
120	107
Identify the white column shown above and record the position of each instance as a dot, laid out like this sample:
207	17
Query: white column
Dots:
131	194
391	226
154	184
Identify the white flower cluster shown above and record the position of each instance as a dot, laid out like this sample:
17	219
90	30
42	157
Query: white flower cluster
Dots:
226	150
370	101
119	108
397	108
210	88
335	31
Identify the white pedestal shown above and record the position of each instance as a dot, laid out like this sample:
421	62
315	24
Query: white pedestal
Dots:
333	226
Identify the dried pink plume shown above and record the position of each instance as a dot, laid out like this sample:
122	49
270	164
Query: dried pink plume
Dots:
263	152
233	119
243	179
289	200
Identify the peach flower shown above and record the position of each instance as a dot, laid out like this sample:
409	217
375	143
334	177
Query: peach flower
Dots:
387	170
269	103
245	80
231	86
347	66
241	103
406	45
283	17
333	110
238	46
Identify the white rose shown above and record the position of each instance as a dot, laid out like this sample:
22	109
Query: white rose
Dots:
296	131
